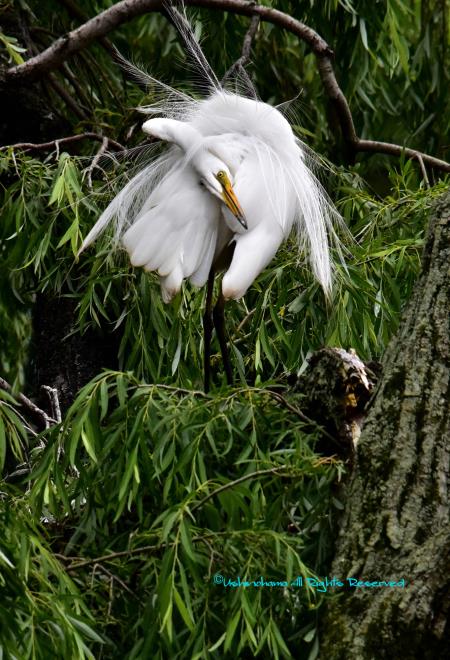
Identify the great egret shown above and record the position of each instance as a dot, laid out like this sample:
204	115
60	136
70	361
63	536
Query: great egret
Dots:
224	196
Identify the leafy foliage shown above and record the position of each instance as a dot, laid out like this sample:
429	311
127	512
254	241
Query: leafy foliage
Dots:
116	521
187	487
42	613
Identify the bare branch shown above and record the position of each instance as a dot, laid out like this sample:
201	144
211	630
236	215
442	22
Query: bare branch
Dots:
52	394
75	11
75	563
119	581
424	170
28	404
55	144
67	98
245	477
95	160
239	66
390	149
77	39
125	10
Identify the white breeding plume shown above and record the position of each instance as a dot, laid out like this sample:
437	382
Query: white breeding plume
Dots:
177	200
234	176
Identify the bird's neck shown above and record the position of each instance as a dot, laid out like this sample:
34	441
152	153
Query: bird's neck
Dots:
171	130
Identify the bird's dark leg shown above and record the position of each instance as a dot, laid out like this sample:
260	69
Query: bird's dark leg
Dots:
219	324
207	329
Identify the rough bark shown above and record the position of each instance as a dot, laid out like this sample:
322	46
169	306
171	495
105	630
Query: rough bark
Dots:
334	390
396	521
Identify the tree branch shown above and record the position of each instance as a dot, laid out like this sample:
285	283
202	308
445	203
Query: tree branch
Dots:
53	397
55	144
125	10
120	582
239	65
246	477
95	161
75	563
390	149
67	98
28	404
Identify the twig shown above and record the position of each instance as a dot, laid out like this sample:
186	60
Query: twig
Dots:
424	170
95	160
26	426
390	149
246	318
231	484
67	98
78	562
177	390
79	91
260	390
293	409
52	394
239	66
119	581
91	62
28	404
61	91
145	549
125	10
55	144
111	598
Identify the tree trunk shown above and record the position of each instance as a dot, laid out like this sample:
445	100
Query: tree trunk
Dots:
396	522
63	358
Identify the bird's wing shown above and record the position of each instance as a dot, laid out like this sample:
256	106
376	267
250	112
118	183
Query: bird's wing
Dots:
176	232
130	202
253	252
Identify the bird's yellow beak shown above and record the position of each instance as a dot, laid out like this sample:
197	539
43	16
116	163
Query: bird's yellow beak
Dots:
230	199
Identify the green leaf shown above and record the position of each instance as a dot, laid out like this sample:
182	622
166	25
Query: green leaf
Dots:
186	540
2	445
85	629
231	629
363	32
70	233
58	191
183	610
217	643
5	559
131	464
88	444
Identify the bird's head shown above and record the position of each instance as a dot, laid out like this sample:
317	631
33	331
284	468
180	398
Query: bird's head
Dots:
219	183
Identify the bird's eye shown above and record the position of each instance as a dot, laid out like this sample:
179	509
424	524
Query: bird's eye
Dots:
221	175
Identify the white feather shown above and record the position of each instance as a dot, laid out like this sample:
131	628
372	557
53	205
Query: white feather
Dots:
171	217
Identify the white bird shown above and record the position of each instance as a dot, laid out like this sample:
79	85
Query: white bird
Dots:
228	191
